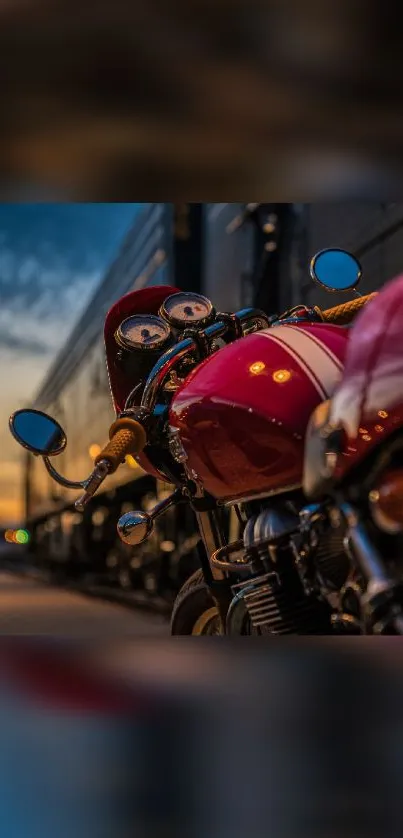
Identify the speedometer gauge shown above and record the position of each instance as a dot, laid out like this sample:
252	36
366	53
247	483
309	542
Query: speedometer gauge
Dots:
187	309
143	331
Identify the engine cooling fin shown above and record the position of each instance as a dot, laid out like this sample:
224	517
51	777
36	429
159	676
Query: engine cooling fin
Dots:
277	598
278	610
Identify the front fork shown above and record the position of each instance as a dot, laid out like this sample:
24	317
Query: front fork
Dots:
380	603
213	539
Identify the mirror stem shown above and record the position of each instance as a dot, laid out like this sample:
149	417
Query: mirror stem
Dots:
68	484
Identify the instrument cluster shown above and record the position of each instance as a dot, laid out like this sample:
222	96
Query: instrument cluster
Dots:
185	310
155	334
144	332
143	338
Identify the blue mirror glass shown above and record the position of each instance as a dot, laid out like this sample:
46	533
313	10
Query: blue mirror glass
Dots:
38	432
336	270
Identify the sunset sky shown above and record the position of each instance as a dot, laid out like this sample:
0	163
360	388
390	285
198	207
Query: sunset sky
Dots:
51	258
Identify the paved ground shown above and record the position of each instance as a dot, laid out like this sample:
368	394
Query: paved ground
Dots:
30	607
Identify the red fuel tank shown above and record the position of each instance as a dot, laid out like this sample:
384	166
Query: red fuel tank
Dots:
242	414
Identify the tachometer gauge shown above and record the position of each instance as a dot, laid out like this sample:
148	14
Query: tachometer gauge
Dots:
186	309
144	332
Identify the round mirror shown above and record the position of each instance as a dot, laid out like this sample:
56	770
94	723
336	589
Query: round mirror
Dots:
336	270
38	432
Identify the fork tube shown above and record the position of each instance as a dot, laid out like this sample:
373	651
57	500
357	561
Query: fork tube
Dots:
213	537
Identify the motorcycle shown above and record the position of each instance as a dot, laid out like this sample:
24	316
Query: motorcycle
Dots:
217	405
353	468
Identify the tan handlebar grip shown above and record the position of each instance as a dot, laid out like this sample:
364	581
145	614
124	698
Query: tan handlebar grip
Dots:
126	437
346	312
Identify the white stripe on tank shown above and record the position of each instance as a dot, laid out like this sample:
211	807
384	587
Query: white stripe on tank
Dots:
317	362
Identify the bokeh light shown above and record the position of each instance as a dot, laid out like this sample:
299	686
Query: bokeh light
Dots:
94	450
22	536
131	461
19	536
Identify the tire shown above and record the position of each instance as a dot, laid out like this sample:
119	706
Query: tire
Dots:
194	611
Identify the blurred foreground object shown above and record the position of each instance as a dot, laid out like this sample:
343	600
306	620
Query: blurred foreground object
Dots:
148	100
141	744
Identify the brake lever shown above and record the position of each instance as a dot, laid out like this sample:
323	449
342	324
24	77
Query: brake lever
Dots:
92	484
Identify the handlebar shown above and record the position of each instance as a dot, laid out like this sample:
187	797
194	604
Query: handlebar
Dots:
126	437
346	312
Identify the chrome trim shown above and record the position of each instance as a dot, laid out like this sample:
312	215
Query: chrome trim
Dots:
175	445
217	561
134	527
212	536
143	522
269	494
161	370
252	320
68	484
92	484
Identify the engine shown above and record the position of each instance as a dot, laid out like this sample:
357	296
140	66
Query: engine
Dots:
288	572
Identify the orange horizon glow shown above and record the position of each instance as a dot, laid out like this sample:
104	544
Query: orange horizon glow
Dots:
11	512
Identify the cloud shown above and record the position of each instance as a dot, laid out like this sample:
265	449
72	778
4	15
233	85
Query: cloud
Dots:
26	284
33	346
38	317
51	259
48	252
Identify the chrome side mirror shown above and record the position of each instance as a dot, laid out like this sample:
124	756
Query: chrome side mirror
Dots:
38	432
336	270
135	527
43	436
